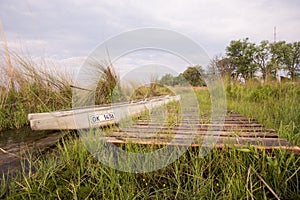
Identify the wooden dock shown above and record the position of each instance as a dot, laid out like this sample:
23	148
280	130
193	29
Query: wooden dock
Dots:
236	130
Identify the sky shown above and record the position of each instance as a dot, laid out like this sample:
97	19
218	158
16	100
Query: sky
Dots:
68	31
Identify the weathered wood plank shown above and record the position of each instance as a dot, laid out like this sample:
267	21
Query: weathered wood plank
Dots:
237	118
135	132
220	142
205	125
212	127
206	121
182	140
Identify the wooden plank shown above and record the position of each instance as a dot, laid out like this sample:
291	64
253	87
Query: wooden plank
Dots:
203	121
205	125
139	133
239	132
228	118
205	128
198	141
221	142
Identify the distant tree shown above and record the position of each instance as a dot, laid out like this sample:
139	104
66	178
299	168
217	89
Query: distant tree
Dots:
240	54
194	75
224	66
180	80
262	58
287	56
171	80
277	51
167	79
292	59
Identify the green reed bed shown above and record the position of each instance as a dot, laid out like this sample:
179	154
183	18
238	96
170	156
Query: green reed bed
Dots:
72	172
276	105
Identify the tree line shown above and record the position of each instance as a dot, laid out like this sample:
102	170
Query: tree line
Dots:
246	60
192	75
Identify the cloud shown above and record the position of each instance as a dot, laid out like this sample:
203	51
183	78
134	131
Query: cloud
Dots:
65	29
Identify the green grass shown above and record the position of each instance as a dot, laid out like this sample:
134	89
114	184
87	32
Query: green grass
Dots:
71	172
273	104
227	174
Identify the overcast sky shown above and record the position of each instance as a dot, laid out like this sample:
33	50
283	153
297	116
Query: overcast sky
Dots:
60	29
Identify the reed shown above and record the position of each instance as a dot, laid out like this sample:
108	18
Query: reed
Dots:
34	89
276	105
71	172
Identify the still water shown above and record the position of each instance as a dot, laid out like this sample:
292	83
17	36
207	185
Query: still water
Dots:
16	144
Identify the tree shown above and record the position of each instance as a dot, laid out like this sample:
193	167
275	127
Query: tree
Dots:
224	66
241	55
167	79
277	50
187	77
287	56
262	58
292	59
180	80
194	76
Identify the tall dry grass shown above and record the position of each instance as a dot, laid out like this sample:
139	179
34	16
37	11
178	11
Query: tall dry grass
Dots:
33	89
108	88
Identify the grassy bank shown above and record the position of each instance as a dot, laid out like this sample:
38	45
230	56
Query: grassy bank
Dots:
273	104
72	172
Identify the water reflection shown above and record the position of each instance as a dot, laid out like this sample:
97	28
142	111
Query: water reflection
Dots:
14	144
